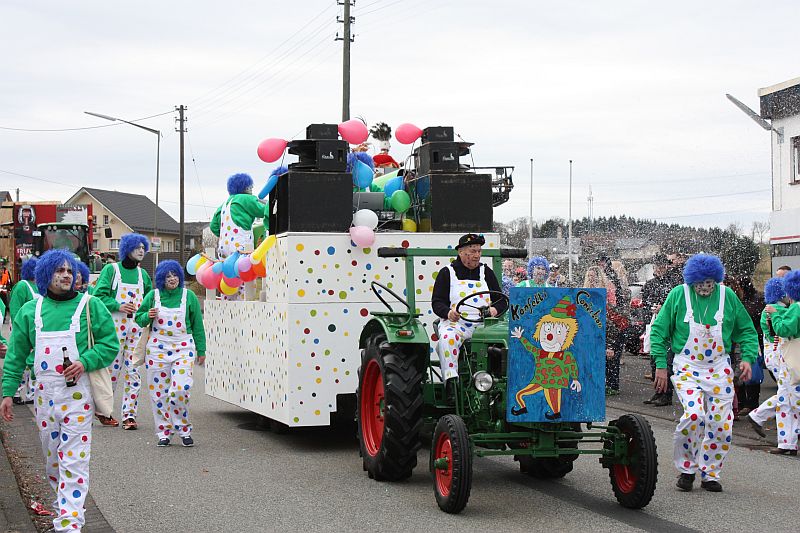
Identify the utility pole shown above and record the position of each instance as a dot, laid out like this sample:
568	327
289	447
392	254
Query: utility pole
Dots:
530	218
347	20
182	129
17	194
569	233
591	208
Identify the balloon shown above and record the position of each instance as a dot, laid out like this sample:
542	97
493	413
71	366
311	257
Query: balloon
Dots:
229	266
362	236
211	279
202	274
393	185
258	254
381	181
200	262
224	288
260	269
271	182
362	175
217	268
409	225
365	217
400	201
231	282
191	264
270	150
243	264
248	275
354	131
407	133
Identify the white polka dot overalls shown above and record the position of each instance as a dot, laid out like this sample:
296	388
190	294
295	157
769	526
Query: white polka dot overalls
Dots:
169	362
64	418
453	334
784	406
128	333
233	238
703	379
26	384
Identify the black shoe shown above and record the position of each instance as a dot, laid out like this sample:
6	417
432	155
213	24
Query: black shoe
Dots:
450	390
783	451
711	486
163	442
517	412
16	400
663	401
652	399
685	482
554	416
756	427
187	441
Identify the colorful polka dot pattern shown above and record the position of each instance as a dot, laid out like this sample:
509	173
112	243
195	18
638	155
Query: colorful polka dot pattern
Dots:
784	406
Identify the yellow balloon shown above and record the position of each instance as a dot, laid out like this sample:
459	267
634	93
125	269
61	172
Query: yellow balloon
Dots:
409	225
263	248
200	261
227	289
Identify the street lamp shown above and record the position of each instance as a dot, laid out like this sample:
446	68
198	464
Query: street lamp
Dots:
158	166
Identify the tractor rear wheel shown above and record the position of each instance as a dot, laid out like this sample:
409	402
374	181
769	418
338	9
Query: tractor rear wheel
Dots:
634	483
389	411
451	464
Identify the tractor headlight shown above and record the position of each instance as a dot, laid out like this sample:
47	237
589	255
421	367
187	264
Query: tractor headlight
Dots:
483	381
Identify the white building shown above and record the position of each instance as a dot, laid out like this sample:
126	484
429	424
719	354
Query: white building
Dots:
781	105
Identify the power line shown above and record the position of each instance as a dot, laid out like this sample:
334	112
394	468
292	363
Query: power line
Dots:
683	198
708	214
197	175
83	128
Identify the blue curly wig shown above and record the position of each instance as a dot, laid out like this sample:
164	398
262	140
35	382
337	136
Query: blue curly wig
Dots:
84	270
701	267
131	241
278	171
773	290
364	157
537	260
47	265
239	183
791	284
164	268
28	269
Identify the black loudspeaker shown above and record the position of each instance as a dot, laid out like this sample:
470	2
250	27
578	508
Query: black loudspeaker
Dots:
322	132
325	155
453	202
311	201
437	134
439	157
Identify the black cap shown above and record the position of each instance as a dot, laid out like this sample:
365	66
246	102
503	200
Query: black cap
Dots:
470	238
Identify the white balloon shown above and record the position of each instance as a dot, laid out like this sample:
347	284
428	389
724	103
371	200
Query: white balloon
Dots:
365	217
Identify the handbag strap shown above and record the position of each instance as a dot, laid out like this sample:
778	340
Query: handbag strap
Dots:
90	335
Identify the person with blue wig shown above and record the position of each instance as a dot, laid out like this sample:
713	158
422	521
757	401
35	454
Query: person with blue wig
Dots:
51	336
22	293
700	319
122	286
538	270
82	279
177	339
233	221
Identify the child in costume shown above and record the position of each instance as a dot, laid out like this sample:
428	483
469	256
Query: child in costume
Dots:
538	269
700	320
122	286
382	132
47	332
22	293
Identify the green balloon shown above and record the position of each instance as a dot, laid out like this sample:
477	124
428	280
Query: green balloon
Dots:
400	201
380	182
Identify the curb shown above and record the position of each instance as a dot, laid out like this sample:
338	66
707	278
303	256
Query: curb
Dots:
14	514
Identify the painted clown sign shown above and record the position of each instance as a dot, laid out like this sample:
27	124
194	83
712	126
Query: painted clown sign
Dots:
556	355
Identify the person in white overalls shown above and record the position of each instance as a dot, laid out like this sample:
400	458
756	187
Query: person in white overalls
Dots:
700	319
177	340
22	293
463	277
55	328
233	221
122	286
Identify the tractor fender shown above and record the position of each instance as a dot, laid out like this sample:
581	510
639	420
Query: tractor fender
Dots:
416	346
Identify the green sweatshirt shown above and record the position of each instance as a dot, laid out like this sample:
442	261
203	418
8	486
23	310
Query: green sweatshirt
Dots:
786	323
2	314
669	326
172	299
245	208
56	316
20	295
779	308
107	293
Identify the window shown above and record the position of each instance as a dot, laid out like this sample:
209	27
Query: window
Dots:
177	245
94	244
169	246
114	244
788	249
105	220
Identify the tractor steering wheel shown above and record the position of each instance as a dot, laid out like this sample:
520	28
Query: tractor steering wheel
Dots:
483	310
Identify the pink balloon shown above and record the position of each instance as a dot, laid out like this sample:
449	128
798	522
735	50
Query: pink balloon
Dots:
212	279
270	150
232	282
407	133
354	131
362	236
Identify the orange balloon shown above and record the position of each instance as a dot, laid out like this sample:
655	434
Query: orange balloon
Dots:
260	269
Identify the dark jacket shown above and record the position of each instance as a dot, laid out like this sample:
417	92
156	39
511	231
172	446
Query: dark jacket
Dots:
655	291
440	301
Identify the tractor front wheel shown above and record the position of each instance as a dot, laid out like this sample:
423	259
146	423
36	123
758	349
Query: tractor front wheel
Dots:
389	411
451	464
635	482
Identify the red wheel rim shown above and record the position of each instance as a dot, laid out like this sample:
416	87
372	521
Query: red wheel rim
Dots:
372	405
444	476
624	475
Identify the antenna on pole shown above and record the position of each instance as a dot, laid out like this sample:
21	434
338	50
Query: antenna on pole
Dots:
756	117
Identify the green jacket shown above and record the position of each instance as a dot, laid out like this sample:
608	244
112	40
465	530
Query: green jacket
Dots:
786	323
3	314
20	295
172	299
108	294
245	208
56	316
669	329
769	339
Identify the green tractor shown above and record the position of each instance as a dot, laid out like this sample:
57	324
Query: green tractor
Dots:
401	397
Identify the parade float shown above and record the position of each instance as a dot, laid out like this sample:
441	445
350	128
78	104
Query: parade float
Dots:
290	352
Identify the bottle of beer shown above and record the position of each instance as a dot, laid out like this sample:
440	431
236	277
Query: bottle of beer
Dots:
66	365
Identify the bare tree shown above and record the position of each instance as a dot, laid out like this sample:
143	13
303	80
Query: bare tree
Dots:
759	230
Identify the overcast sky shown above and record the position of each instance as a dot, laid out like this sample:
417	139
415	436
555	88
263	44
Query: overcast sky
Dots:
632	91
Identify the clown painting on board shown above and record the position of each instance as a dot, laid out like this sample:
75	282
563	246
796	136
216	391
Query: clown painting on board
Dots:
556	355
